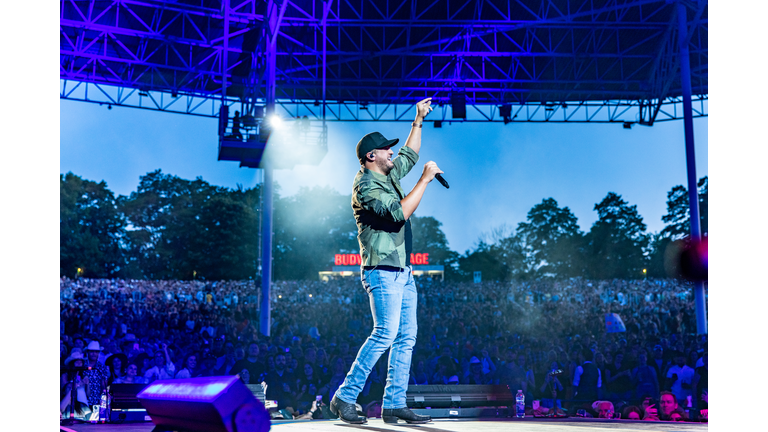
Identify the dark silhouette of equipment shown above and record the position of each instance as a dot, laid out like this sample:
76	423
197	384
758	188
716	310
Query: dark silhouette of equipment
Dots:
460	401
206	404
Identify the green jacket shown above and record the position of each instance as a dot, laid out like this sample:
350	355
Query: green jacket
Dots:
381	225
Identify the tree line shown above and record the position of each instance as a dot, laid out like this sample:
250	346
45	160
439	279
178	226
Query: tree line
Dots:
173	228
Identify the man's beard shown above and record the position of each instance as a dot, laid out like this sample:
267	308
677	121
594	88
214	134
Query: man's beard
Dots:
385	165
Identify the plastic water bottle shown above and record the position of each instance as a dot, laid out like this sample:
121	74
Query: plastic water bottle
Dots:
103	408
520	404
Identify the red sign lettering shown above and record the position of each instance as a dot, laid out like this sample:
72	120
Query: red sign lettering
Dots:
355	259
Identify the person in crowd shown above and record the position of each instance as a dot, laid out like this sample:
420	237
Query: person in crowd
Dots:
679	377
700	384
97	375
81	405
643	377
163	367
225	362
208	367
419	374
308	386
669	408
255	368
659	364
551	387
190	367
446	369
131	375
587	379
116	364
337	377
618	379
529	381
281	384
511	373
475	374
143	361
631	412
604	409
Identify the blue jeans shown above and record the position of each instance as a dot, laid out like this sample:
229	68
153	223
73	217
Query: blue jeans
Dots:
393	297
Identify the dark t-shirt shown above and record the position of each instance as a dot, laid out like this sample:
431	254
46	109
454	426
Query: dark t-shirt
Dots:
276	390
620	385
702	386
255	369
408	242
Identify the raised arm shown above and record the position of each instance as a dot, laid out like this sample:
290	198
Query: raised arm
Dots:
423	108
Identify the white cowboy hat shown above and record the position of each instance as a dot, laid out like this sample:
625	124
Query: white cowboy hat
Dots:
94	346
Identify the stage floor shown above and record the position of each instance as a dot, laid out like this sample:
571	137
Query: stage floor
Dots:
442	425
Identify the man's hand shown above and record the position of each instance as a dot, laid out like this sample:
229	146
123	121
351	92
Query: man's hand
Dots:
651	414
423	108
430	170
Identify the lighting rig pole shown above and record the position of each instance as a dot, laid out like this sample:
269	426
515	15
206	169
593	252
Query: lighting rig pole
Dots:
690	157
274	16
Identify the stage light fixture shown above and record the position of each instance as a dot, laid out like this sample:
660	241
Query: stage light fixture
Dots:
627	125
143	93
459	105
505	111
364	106
275	121
438	123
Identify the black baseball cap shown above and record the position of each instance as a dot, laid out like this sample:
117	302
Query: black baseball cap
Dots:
373	141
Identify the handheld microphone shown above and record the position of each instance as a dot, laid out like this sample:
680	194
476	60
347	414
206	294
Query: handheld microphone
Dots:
442	181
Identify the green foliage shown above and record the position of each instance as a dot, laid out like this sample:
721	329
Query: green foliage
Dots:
181	229
428	237
309	228
551	237
171	228
91	229
678	217
486	258
615	244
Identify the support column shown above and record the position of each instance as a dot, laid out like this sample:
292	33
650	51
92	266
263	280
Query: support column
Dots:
273	23
690	158
266	253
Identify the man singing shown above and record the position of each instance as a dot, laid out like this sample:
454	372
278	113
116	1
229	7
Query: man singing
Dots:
382	212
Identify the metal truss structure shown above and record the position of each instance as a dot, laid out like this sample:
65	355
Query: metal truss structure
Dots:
610	111
352	60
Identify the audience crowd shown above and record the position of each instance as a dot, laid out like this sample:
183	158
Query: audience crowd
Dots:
547	338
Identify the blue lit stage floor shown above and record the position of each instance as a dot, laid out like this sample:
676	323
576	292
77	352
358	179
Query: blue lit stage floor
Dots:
442	425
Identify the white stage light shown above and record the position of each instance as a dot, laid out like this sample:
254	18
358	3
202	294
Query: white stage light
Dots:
275	121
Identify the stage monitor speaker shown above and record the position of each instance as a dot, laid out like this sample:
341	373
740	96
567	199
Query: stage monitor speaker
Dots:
124	396
458	396
207	404
459	105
